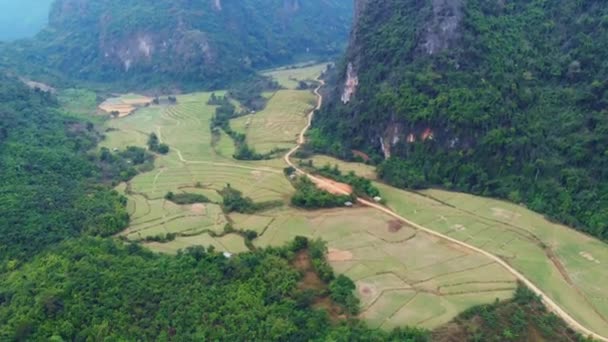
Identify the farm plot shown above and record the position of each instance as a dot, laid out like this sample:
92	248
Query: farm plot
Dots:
290	77
125	105
403	276
363	170
569	266
278	125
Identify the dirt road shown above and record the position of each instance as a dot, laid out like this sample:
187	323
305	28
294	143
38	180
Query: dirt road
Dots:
549	303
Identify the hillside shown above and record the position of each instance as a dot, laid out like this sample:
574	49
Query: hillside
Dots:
181	43
503	99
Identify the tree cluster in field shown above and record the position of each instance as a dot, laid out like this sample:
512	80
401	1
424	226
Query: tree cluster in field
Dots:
249	93
309	196
517	104
361	186
234	201
221	120
185	198
155	145
122	166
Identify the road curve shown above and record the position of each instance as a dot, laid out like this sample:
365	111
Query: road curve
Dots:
549	303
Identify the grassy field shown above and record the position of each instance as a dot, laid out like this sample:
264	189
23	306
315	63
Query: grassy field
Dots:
278	125
363	170
403	276
289	78
569	266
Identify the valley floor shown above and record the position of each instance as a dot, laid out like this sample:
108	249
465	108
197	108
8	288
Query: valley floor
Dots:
404	276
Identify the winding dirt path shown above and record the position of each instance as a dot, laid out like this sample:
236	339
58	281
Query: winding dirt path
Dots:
549	303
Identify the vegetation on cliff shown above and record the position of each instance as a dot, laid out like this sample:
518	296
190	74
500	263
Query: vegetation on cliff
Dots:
504	99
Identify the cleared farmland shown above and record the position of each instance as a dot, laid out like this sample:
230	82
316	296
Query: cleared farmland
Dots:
403	276
289	77
278	125
567	265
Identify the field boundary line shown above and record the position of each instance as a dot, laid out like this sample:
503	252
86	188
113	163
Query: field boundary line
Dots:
550	303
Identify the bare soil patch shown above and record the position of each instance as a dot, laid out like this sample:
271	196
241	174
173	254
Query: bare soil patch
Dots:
198	209
122	109
394	226
124	106
332	186
339	255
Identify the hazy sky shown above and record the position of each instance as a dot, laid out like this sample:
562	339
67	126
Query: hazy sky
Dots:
22	18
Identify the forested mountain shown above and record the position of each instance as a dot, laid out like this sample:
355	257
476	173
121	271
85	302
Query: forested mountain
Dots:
22	18
499	98
205	43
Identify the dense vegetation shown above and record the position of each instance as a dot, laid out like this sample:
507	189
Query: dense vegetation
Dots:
49	189
309	196
91	289
514	320
189	44
155	145
234	201
121	166
513	103
226	111
186	198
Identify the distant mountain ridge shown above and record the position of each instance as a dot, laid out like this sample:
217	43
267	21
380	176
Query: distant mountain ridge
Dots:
208	42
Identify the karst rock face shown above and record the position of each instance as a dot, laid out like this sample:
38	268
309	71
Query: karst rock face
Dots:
209	41
504	98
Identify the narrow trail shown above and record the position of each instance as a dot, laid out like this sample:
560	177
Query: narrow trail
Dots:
551	305
253	168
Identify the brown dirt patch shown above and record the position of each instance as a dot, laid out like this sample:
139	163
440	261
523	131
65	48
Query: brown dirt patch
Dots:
394	226
141	101
332	186
363	155
122	109
311	281
198	209
339	255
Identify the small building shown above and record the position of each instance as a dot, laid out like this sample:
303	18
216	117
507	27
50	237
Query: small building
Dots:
227	255
348	204
377	199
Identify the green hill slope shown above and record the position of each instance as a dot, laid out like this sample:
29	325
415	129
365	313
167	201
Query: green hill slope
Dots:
505	99
180	42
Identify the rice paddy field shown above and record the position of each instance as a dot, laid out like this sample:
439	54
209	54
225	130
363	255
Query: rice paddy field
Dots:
403	276
278	125
570	267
